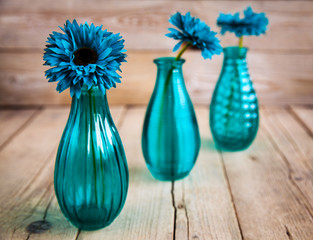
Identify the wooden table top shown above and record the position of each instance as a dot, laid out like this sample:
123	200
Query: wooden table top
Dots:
264	192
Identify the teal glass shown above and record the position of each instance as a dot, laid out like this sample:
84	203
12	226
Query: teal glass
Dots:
91	173
234	111
170	138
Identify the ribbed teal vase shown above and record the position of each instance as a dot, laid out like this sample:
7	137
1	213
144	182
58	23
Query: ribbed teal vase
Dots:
91	173
234	111
170	138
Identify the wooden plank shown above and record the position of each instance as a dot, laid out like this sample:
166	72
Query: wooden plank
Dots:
295	146
203	200
148	212
144	23
41	208
305	116
268	203
11	121
290	81
26	173
27	167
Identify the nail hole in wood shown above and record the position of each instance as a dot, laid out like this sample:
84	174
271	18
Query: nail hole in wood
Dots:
180	206
288	233
298	178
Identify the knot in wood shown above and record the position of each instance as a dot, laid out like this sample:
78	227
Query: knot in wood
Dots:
38	226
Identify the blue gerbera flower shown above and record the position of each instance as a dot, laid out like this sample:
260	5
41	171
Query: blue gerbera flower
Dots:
252	23
193	31
84	55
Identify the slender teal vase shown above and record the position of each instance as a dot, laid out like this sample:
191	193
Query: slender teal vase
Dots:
91	173
234	111
170	138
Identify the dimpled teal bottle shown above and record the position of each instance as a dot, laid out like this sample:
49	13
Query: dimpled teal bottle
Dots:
91	173
234	111
170	138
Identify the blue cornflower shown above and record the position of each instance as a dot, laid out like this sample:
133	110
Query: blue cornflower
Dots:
84	55
252	23
193	31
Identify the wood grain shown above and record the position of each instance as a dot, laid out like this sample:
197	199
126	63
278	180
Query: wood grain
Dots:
24	178
264	192
305	116
11	121
144	23
294	144
268	203
278	78
203	200
27	179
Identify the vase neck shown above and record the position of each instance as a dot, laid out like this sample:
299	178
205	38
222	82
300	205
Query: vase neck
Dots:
169	71
235	60
92	100
235	53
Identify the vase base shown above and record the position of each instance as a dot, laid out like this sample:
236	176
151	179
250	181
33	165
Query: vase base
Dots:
231	147
90	228
169	177
88	221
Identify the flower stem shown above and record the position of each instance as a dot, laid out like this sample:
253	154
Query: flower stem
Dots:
241	42
182	51
91	109
188	44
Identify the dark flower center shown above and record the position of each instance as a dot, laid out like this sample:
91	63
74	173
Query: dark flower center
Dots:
85	56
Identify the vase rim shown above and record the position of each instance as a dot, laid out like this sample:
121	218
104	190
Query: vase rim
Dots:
93	89
236	47
235	52
167	60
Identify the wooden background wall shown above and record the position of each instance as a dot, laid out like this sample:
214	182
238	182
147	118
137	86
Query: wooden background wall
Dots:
281	63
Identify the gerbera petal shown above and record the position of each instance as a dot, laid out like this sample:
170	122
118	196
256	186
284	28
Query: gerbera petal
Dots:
177	46
105	53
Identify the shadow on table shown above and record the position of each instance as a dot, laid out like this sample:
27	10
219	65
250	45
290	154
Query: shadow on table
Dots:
208	144
39	217
140	174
